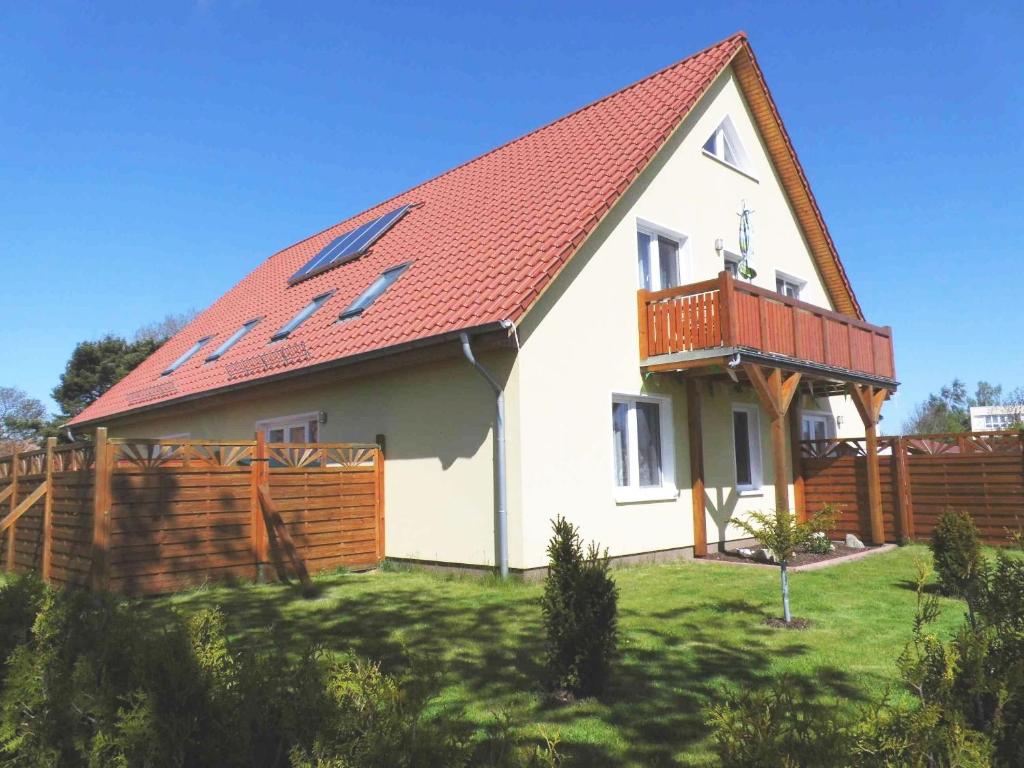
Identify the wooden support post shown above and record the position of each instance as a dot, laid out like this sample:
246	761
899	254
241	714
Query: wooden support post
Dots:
693	418
727	309
100	572
905	504
799	500
776	393
868	401
9	565
51	443
259	475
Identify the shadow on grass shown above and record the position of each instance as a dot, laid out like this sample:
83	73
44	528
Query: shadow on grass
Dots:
486	643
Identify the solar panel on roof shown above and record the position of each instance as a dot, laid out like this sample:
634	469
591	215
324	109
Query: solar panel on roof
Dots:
349	245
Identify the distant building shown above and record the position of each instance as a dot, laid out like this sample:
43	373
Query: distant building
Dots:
989	417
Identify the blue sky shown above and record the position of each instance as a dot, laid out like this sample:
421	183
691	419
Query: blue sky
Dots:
151	154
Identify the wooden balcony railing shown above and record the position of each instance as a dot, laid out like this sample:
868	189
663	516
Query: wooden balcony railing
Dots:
726	313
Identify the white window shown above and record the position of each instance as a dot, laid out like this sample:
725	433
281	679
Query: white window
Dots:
725	146
658	253
746	429
642	448
302	428
787	285
731	263
816	426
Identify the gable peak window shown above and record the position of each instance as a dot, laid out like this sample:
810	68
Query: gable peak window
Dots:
658	258
724	145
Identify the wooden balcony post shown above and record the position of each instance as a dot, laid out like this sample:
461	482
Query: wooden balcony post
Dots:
727	308
693	418
51	443
100	571
9	565
868	401
776	393
641	311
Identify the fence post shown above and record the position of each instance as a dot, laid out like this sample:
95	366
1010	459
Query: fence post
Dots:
379	498
9	565
258	528
904	504
51	443
99	576
796	453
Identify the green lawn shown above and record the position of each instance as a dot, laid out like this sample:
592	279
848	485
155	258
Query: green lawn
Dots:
687	629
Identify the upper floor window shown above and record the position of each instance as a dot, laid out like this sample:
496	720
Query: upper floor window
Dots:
303	428
731	263
786	285
724	145
642	449
658	258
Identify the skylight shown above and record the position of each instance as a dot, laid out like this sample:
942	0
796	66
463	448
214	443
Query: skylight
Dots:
302	317
725	145
371	294
186	357
231	340
349	245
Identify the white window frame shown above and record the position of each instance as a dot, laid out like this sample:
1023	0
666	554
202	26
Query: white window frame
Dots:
682	241
754	439
828	418
793	280
727	128
668	490
728	257
287	422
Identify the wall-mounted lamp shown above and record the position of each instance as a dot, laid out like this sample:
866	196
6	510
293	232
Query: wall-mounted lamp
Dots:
322	417
719	245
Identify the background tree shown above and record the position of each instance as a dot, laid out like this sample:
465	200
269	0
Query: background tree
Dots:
949	410
96	366
22	420
162	330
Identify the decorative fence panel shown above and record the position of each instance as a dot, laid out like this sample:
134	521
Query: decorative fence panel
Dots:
155	516
921	477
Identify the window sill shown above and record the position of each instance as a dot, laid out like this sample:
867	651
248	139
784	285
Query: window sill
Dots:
727	164
750	493
643	495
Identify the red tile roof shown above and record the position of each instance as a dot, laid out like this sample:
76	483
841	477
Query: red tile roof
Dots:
484	240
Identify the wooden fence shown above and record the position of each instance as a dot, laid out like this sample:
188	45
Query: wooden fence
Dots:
154	516
921	477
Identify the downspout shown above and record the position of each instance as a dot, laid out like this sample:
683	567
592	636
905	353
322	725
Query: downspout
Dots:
500	471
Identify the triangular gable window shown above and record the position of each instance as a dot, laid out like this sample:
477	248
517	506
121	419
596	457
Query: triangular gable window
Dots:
724	144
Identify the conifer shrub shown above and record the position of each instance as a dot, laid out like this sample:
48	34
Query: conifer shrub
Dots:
956	553
580	610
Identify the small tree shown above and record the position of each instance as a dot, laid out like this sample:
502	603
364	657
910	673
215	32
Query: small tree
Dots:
783	535
580	607
956	550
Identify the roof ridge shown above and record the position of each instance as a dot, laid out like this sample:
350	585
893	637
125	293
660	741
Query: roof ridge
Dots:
738	36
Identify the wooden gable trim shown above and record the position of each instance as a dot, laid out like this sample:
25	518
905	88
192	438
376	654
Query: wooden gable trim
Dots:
794	181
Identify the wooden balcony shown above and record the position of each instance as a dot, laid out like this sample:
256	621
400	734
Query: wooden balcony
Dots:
697	325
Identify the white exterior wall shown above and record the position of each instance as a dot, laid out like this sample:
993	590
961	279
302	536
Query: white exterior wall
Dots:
437	421
580	346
